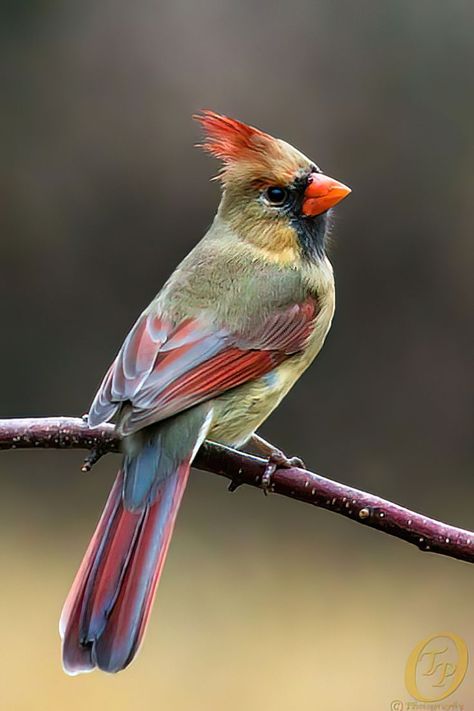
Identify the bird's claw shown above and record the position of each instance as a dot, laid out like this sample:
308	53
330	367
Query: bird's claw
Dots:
233	485
92	458
278	460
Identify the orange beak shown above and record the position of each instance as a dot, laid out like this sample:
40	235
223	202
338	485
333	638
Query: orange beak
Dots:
322	193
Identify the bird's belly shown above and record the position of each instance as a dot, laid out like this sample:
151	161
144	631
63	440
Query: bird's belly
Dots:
239	412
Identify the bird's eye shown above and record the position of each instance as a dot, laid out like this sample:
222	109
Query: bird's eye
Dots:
275	195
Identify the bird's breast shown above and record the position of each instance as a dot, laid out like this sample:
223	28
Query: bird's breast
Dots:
238	413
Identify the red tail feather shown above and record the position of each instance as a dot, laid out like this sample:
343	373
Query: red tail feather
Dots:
106	612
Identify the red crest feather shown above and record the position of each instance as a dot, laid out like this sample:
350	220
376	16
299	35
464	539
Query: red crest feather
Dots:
229	139
247	152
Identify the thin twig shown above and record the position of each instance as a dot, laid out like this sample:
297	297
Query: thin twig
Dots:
386	516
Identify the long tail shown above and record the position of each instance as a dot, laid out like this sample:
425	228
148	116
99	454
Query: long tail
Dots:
107	609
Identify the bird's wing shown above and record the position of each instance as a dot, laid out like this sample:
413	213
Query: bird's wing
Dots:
163	369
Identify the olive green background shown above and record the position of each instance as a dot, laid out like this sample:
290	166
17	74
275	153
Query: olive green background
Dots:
265	603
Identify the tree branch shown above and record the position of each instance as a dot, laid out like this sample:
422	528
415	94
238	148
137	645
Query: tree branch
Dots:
425	533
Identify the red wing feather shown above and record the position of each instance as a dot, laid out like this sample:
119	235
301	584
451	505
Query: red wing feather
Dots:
162	370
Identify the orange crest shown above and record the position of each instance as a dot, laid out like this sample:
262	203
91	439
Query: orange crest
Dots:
247	152
229	139
234	142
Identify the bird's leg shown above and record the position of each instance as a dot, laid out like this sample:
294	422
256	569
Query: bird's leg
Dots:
92	458
233	485
95	453
275	458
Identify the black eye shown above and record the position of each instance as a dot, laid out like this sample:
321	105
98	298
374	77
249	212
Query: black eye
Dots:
276	195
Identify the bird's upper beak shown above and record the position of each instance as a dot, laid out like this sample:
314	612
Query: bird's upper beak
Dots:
322	193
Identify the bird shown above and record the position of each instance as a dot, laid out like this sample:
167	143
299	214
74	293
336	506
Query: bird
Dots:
230	332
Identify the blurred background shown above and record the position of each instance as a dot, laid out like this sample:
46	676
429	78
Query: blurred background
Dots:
265	603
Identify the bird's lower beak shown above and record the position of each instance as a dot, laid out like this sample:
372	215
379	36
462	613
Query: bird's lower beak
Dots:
322	193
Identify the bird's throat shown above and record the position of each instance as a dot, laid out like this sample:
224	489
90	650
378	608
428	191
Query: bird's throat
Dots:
312	235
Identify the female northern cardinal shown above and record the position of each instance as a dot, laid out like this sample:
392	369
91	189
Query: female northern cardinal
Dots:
230	332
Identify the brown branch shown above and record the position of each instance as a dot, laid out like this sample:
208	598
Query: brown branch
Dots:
423	532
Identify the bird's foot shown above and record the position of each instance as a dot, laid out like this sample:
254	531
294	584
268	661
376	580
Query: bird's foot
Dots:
234	484
278	460
92	458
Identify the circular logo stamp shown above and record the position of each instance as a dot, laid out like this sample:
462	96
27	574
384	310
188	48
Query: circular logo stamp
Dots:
436	667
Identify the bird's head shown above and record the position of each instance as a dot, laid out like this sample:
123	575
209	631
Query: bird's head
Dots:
273	195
